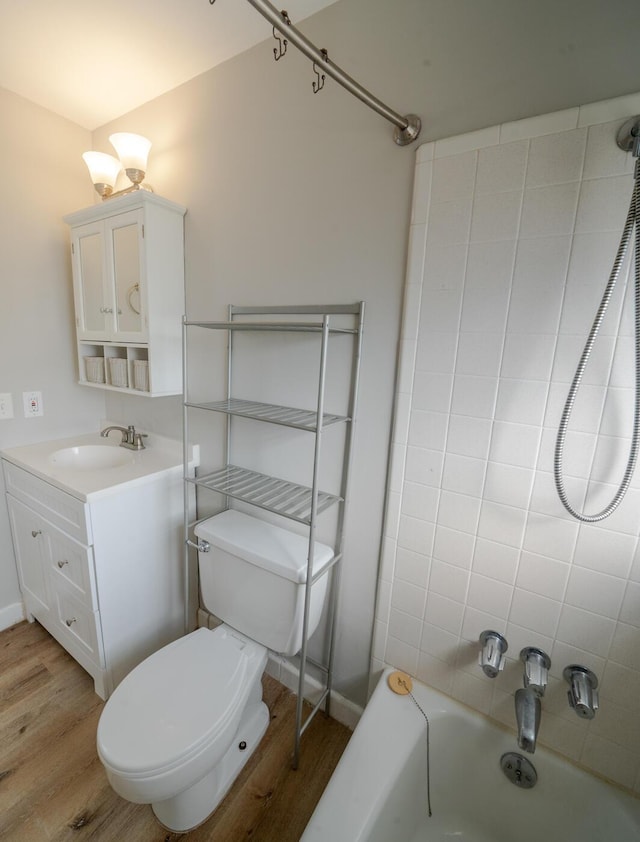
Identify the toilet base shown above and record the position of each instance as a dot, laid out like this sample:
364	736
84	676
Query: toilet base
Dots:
190	808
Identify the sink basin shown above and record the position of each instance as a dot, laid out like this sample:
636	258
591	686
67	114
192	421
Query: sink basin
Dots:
91	457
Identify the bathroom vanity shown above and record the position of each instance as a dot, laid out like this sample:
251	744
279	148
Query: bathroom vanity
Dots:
97	534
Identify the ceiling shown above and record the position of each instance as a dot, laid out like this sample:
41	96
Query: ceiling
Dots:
92	61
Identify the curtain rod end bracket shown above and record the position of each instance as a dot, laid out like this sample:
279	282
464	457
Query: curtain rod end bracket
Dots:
405	136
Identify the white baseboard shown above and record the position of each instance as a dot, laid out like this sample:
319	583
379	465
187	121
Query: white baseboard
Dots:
342	709
11	614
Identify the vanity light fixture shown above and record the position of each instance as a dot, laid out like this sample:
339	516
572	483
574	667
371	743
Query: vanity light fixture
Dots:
133	150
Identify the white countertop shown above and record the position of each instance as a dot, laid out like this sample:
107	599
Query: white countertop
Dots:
160	454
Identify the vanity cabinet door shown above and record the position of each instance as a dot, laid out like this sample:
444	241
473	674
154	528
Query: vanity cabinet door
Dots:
30	545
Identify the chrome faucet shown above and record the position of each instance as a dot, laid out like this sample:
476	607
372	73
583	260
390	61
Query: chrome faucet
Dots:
528	704
130	438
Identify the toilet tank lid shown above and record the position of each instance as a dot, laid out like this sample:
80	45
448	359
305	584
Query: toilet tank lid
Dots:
267	546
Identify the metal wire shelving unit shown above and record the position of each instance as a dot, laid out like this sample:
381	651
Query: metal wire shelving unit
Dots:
302	504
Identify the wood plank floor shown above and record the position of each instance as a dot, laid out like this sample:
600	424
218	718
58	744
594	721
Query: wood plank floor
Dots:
54	789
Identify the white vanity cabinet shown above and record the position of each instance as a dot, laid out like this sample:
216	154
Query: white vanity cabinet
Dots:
128	283
103	574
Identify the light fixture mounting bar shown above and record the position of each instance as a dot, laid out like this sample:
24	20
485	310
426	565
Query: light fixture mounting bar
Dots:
407	128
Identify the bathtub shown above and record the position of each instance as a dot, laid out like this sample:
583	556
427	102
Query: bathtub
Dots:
378	792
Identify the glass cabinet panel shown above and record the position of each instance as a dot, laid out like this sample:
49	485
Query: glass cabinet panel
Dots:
126	269
90	258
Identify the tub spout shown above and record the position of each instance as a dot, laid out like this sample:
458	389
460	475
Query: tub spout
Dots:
528	709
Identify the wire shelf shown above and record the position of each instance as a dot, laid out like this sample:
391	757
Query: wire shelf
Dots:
275	495
301	419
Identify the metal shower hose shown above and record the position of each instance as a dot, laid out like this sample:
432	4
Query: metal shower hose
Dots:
633	220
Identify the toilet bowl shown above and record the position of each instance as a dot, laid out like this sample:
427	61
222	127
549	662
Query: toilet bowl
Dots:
179	728
177	717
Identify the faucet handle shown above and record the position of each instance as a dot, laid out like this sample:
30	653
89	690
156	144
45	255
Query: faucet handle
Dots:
582	693
491	656
536	668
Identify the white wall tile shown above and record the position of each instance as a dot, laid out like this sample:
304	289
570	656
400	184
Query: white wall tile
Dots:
594	591
585	629
469	436
490	265
475	622
495	216
479	353
424	466
550	536
535	612
617	108
453	546
421	193
449	221
412	567
459	511
603	156
514	444
474	396
432	392
556	158
548	211
440	309
439	643
484	309
409	599
508	484
502	167
605	551
543	576
625	648
444	265
530	358
489	595
557	121
502	523
604	203
436	351
415	535
420	501
463	474
453	177
444	613
630	610
449	580
428	429
495	560
465	142
521	401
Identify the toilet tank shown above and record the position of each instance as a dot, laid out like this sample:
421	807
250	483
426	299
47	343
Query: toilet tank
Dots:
253	578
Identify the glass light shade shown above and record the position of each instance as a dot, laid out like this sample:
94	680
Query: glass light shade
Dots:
132	149
103	168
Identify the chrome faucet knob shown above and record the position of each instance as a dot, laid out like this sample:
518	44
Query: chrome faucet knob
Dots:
491	656
582	693
536	668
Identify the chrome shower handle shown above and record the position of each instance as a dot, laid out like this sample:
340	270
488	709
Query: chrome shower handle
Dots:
582	693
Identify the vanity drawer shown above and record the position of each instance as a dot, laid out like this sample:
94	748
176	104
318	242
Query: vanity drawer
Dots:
59	508
72	563
76	626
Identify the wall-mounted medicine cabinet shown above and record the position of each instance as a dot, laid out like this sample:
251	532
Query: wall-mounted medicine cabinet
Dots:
128	286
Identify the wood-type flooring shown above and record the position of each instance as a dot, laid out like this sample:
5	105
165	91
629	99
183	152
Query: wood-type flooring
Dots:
54	789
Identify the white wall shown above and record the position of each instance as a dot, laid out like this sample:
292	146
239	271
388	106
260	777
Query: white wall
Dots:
299	197
41	181
513	236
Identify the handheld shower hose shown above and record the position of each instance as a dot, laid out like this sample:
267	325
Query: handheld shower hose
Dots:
632	221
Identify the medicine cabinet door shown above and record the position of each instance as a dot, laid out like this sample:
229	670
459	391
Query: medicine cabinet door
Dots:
125	233
89	281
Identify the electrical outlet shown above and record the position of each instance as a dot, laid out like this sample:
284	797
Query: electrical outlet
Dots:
6	405
32	404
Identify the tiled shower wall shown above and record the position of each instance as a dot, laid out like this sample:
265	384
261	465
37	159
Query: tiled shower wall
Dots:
513	235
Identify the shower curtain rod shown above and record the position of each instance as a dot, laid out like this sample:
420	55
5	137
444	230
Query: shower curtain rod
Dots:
407	128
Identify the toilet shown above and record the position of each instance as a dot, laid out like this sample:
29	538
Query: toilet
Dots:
179	728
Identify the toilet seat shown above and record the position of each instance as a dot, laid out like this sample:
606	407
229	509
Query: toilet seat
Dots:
179	703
